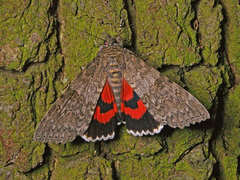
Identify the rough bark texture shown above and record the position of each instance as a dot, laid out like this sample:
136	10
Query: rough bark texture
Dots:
45	44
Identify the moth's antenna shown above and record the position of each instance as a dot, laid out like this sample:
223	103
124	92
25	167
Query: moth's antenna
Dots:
108	40
93	35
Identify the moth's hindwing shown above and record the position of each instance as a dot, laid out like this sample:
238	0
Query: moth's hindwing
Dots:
104	120
138	120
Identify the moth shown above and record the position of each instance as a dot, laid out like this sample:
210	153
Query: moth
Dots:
118	87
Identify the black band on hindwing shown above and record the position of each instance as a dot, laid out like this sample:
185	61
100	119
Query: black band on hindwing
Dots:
104	107
132	103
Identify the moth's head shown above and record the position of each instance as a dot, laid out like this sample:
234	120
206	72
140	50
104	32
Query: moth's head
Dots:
113	41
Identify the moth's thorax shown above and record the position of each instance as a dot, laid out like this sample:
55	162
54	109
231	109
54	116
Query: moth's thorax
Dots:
115	79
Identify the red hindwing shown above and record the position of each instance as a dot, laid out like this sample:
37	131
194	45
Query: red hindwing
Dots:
128	97
107	97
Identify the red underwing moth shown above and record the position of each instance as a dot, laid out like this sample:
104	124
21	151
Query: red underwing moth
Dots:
118	87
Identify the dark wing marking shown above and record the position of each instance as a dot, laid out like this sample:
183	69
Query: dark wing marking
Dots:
166	101
104	121
71	114
138	120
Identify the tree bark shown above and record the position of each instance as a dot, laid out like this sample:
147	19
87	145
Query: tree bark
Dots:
45	44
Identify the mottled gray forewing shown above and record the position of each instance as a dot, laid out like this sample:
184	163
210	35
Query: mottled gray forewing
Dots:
165	100
71	114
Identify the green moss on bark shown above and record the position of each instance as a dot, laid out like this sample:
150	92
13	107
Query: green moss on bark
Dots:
12	173
209	16
41	173
226	146
24	30
204	83
164	34
82	167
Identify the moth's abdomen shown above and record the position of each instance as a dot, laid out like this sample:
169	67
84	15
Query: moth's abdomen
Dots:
115	81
